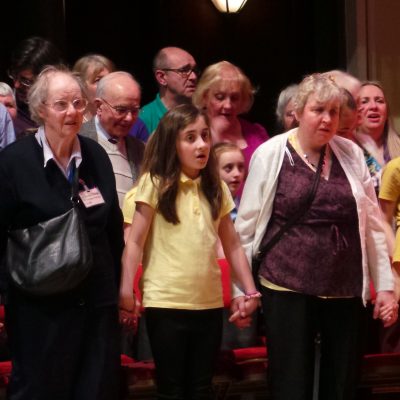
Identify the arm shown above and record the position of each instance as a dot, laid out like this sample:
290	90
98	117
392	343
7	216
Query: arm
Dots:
237	259
388	210
385	306
132	255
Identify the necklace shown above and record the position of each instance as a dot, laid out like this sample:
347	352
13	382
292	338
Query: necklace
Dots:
306	158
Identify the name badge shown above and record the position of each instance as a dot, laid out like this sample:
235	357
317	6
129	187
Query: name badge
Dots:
91	197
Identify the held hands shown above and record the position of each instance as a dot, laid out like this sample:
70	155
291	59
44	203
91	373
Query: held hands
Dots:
386	308
241	309
129	310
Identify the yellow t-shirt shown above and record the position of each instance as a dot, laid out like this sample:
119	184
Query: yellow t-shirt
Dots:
129	205
180	268
390	191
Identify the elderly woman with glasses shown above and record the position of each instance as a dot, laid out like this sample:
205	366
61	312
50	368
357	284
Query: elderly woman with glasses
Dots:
315	276
64	345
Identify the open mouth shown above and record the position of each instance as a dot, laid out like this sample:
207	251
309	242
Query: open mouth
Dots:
374	117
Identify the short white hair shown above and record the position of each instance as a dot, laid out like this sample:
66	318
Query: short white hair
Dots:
5	90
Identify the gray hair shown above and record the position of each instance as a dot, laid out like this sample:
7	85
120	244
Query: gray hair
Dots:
285	96
6	90
322	85
103	82
39	91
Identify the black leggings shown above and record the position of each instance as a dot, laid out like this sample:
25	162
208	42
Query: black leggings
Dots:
185	345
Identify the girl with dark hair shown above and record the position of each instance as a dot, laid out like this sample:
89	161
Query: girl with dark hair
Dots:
182	207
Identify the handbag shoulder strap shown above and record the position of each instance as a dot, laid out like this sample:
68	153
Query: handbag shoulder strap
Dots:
307	204
75	185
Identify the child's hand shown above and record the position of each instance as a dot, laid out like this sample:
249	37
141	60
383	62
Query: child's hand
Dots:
242	323
129	309
241	308
386	308
238	308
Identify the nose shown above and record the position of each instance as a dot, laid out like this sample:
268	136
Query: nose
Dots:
227	103
71	109
327	118
236	172
373	105
201	143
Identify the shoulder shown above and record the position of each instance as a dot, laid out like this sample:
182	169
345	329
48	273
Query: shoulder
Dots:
134	143
26	147
88	129
253	129
149	107
345	147
392	167
91	149
273	145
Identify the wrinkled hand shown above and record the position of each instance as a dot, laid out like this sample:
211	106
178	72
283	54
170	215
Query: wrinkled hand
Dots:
386	308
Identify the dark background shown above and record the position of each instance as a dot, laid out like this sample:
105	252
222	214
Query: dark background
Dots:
275	42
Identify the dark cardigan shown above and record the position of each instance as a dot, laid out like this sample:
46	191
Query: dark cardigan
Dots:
30	193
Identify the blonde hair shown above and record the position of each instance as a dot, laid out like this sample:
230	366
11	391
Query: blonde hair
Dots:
225	147
215	74
98	61
321	85
390	136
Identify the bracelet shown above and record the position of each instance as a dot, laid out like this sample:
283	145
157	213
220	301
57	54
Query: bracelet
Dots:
253	295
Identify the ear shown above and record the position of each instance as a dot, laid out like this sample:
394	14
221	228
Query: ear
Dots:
41	112
160	77
297	115
99	104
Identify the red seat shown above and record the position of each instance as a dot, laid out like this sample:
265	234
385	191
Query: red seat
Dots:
5	372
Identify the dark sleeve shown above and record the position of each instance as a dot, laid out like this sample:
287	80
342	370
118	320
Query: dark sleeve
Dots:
8	205
139	130
115	235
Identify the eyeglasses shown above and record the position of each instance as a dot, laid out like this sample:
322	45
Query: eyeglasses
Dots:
122	111
185	71
23	81
62	105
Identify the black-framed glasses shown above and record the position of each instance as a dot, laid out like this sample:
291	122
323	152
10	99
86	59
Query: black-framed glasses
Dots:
185	71
61	106
122	111
23	81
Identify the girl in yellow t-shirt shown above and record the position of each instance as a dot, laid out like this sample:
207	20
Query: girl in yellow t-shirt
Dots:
182	207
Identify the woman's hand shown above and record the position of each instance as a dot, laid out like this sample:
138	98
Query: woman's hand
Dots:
241	309
129	310
386	308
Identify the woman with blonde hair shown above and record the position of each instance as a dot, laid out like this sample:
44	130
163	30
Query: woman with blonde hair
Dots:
225	92
376	134
91	68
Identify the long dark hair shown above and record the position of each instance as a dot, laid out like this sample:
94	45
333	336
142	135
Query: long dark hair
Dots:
162	162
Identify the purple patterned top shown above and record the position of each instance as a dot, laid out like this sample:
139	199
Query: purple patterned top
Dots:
321	254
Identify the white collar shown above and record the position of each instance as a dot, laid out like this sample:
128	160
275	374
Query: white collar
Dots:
48	154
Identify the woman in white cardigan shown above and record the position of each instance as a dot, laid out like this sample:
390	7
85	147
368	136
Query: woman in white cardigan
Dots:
316	278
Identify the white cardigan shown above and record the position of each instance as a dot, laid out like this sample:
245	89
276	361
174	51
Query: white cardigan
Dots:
259	192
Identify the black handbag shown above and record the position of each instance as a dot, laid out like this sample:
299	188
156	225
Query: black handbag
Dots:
53	256
262	252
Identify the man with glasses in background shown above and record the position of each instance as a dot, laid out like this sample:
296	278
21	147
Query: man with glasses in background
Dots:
28	59
118	103
176	74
